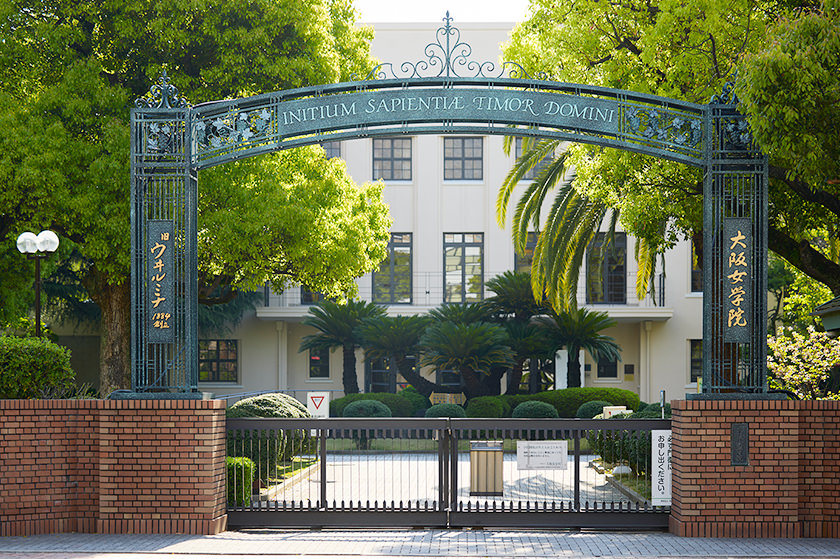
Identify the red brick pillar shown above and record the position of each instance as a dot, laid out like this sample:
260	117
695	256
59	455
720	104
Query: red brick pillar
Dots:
788	486
162	467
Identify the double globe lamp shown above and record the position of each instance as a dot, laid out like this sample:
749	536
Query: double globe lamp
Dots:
36	247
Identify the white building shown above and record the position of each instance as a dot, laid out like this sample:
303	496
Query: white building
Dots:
442	193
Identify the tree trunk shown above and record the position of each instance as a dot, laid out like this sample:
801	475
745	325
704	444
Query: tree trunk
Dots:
115	339
351	383
472	384
515	377
423	386
573	370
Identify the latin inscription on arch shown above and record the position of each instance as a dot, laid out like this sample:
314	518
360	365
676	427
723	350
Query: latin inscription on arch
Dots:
368	108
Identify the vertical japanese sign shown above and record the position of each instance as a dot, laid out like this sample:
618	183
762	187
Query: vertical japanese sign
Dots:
660	458
161	281
738	272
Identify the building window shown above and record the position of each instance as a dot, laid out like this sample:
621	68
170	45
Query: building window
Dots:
532	174
463	265
217	361
449	378
522	262
608	369
332	149
696	271
309	297
392	159
606	280
463	158
319	363
392	281
696	360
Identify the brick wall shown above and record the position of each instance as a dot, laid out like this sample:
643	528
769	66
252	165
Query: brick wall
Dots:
790	486
130	466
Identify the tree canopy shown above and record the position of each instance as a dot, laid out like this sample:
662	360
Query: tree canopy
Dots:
687	50
69	72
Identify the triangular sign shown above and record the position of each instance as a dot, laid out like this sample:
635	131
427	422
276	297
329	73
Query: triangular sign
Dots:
317	400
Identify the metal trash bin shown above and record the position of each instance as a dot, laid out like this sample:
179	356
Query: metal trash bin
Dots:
486	468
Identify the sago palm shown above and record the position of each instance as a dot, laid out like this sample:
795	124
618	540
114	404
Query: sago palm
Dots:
513	297
337	325
577	329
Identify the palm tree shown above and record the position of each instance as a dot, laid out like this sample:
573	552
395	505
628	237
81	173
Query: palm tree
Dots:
472	349
570	225
514	297
466	313
577	329
396	338
337	325
526	340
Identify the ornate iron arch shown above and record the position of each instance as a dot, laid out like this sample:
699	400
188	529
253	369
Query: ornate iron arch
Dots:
443	92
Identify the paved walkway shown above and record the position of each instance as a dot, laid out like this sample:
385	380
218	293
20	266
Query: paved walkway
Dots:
408	543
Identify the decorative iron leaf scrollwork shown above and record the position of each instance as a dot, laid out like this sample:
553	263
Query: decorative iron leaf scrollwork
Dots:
162	138
664	127
162	95
234	127
736	133
448	57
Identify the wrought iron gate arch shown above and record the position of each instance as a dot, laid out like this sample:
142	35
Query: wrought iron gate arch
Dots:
171	142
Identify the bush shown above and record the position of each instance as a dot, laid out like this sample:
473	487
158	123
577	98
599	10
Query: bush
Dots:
399	406
485	406
240	480
568	400
33	368
419	402
534	408
655	410
268	448
446	410
591	409
512	400
366	408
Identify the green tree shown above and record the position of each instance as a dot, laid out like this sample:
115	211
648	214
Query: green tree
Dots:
473	349
527	341
577	329
396	338
513	297
69	72
807	364
338	326
687	51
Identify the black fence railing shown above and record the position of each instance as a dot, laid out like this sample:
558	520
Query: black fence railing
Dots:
443	472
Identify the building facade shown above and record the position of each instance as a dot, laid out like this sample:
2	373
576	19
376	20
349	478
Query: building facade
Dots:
445	245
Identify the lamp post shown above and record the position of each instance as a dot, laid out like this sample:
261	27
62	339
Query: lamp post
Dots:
36	247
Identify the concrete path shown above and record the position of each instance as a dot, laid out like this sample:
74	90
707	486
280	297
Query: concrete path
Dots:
407	544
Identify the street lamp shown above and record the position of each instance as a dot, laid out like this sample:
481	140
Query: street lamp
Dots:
36	247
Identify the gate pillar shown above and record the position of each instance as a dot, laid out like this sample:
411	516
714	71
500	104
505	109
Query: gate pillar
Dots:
163	248
734	255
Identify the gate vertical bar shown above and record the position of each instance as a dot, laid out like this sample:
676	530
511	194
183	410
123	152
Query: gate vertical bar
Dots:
443	468
734	255
577	469
323	449
164	361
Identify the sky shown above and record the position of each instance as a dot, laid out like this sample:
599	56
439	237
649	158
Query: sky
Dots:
462	11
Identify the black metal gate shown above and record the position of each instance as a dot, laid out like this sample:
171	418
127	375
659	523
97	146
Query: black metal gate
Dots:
551	473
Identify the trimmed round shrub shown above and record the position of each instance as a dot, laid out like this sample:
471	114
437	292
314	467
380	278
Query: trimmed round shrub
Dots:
240	480
591	409
485	406
366	408
655	410
568	400
269	448
419	402
512	400
534	409
446	410
34	368
399	406
268	405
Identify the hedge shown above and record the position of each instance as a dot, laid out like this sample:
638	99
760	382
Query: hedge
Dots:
485	406
568	400
419	402
591	409
534	409
446	410
34	368
399	406
366	408
240	480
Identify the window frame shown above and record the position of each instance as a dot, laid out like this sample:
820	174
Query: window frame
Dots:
608	271
332	149
218	360
463	158
463	244
393	244
695	363
522	262
695	281
391	158
604	364
324	365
